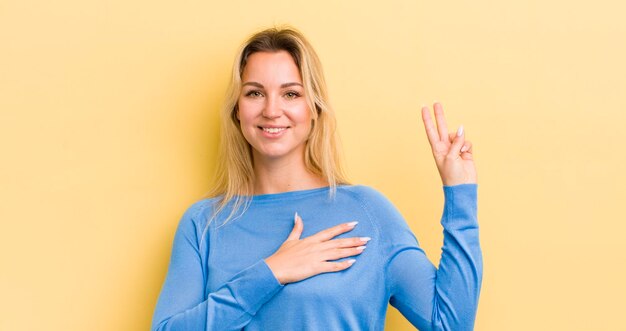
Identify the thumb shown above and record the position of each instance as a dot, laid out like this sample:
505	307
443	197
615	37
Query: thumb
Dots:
455	148
296	232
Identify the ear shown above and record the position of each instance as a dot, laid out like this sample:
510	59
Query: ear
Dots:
237	113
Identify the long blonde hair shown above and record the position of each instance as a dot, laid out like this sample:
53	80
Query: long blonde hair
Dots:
235	174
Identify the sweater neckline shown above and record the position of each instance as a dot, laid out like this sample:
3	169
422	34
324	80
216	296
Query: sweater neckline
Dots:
290	194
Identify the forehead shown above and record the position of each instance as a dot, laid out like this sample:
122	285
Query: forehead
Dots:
271	67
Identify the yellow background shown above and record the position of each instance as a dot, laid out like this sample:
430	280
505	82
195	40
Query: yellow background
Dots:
108	132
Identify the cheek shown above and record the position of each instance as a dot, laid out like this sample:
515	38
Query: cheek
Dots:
301	115
307	121
244	112
242	109
243	115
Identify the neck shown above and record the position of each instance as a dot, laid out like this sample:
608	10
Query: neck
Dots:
284	175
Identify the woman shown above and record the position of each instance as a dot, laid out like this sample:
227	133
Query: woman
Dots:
281	243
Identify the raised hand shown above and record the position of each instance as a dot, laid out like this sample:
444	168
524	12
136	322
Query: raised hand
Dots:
297	259
453	154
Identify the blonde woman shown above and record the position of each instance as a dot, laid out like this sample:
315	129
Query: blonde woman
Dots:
284	242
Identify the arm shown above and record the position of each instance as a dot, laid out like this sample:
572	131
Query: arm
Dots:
445	298
182	304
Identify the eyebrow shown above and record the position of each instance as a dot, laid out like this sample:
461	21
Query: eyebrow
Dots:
259	85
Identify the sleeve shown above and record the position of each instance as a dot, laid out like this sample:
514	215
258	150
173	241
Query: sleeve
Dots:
444	298
182	304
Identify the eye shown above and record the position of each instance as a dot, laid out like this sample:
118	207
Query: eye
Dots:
254	93
292	95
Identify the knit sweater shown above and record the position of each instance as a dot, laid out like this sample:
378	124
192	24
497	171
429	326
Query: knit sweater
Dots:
218	278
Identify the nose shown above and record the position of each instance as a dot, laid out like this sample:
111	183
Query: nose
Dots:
272	108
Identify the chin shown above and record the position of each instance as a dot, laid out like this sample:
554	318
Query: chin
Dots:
274	153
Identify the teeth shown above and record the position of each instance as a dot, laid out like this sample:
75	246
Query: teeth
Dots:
273	130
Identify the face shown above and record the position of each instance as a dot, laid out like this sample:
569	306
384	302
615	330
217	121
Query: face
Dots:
273	112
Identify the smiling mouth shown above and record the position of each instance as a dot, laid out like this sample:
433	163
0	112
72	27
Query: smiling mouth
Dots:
273	130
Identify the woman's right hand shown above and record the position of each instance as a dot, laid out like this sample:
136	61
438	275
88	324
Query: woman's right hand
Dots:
298	259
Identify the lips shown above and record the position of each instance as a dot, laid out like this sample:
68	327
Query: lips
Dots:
273	129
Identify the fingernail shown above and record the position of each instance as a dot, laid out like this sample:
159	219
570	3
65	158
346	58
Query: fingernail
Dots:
352	224
295	217
361	248
365	239
351	261
464	149
460	131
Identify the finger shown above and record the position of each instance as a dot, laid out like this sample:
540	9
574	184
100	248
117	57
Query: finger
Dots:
431	131
469	153
332	232
441	120
467	156
335	254
458	142
346	242
337	266
296	232
467	147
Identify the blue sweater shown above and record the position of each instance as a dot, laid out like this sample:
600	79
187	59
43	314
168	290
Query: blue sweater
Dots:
223	282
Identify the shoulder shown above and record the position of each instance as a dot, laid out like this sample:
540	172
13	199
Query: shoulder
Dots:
368	196
375	203
390	223
364	193
197	215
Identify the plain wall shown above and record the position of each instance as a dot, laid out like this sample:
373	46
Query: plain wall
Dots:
108	132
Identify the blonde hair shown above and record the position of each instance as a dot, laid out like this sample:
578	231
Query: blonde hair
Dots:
235	174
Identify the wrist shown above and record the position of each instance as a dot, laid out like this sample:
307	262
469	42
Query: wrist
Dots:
456	183
270	263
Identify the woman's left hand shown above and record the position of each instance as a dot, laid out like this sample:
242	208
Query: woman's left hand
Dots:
453	154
